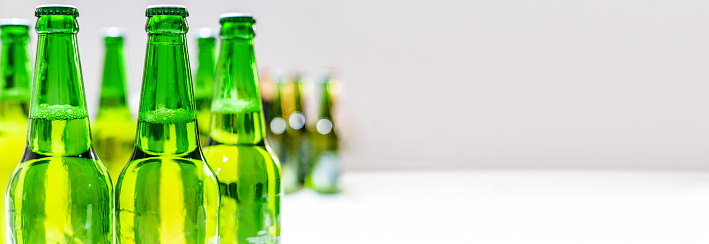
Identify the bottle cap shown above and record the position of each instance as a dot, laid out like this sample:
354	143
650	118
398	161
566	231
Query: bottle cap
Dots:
112	32
14	21
166	9
237	18
56	9
206	33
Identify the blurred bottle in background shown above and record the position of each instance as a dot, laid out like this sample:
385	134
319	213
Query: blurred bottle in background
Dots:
324	167
59	192
275	124
268	89
295	139
114	127
204	80
14	98
249	175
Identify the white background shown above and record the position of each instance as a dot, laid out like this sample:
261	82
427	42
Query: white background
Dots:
448	84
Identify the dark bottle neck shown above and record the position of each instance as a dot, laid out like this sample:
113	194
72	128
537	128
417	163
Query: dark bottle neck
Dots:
14	73
113	87
58	115
204	82
166	124
276	108
237	116
326	100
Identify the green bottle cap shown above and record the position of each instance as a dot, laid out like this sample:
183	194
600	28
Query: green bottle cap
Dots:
15	22
237	18
56	9
166	9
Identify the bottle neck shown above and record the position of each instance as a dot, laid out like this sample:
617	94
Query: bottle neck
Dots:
15	73
326	101
166	121
58	116
292	105
276	108
237	116
204	82
113	86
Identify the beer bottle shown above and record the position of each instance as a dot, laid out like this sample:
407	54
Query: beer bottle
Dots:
204	81
249	175
60	192
114	127
324	168
167	193
295	140
14	98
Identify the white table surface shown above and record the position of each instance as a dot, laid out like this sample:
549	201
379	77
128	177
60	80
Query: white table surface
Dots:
567	207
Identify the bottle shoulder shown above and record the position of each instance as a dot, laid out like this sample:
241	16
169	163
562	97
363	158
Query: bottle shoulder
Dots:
83	171
256	157
157	165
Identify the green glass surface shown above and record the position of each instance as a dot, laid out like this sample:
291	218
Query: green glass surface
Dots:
60	192
295	139
167	193
324	168
249	175
114	127
204	83
14	101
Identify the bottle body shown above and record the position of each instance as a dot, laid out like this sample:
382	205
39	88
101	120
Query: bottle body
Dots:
249	175
249	183
249	178
60	199
60	192
167	193
114	127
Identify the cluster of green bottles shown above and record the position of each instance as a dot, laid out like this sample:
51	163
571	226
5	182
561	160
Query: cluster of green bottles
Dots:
307	148
165	189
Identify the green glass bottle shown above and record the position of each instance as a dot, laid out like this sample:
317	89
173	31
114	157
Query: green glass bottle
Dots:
167	193
324	168
204	80
60	192
295	140
275	124
14	98
249	175
114	127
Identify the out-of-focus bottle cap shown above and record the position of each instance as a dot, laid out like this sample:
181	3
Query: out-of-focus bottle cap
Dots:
166	9
56	9
237	17
112	32
206	33
14	21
